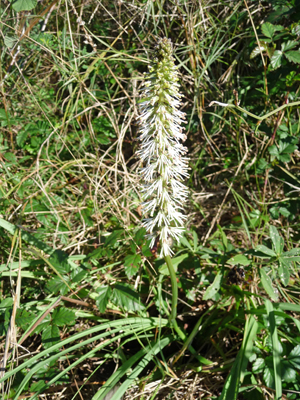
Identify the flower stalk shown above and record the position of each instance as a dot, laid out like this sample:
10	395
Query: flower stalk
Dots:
165	164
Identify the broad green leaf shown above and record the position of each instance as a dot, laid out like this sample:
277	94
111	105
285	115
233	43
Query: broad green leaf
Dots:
24	5
59	260
55	285
258	49
293	56
63	316
269	377
276	59
213	289
289	374
276	240
103	298
268	29
283	271
21	137
258	365
140	236
124	297
294	357
132	263
289	45
267	285
10	41
112	239
24	318
265	250
239	259
50	336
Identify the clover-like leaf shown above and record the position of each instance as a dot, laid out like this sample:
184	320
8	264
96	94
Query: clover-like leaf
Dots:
293	56
63	316
103	298
276	59
268	29
24	5
124	297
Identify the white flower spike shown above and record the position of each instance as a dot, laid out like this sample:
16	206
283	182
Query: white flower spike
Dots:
161	151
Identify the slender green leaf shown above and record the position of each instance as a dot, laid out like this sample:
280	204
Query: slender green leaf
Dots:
239	259
265	250
283	271
148	353
267	284
276	346
276	240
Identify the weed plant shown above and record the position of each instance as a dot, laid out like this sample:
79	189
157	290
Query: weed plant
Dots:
85	300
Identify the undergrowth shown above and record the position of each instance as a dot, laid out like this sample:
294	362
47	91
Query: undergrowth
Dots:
85	301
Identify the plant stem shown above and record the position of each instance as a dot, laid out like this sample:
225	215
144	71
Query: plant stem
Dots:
174	298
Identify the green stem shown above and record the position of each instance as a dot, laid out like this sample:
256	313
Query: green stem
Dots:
174	288
174	298
173	315
295	103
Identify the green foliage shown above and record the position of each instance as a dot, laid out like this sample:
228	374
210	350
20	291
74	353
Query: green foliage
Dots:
78	279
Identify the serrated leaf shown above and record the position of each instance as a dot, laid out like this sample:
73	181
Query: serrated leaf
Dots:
294	357
21	137
103	298
124	297
24	5
293	56
10	41
268	29
288	373
256	51
56	285
283	271
276	240
276	59
111	240
258	365
132	263
63	316
239	259
267	285
24	318
286	147
140	236
213	289
59	259
265	250
269	377
50	336
290	44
